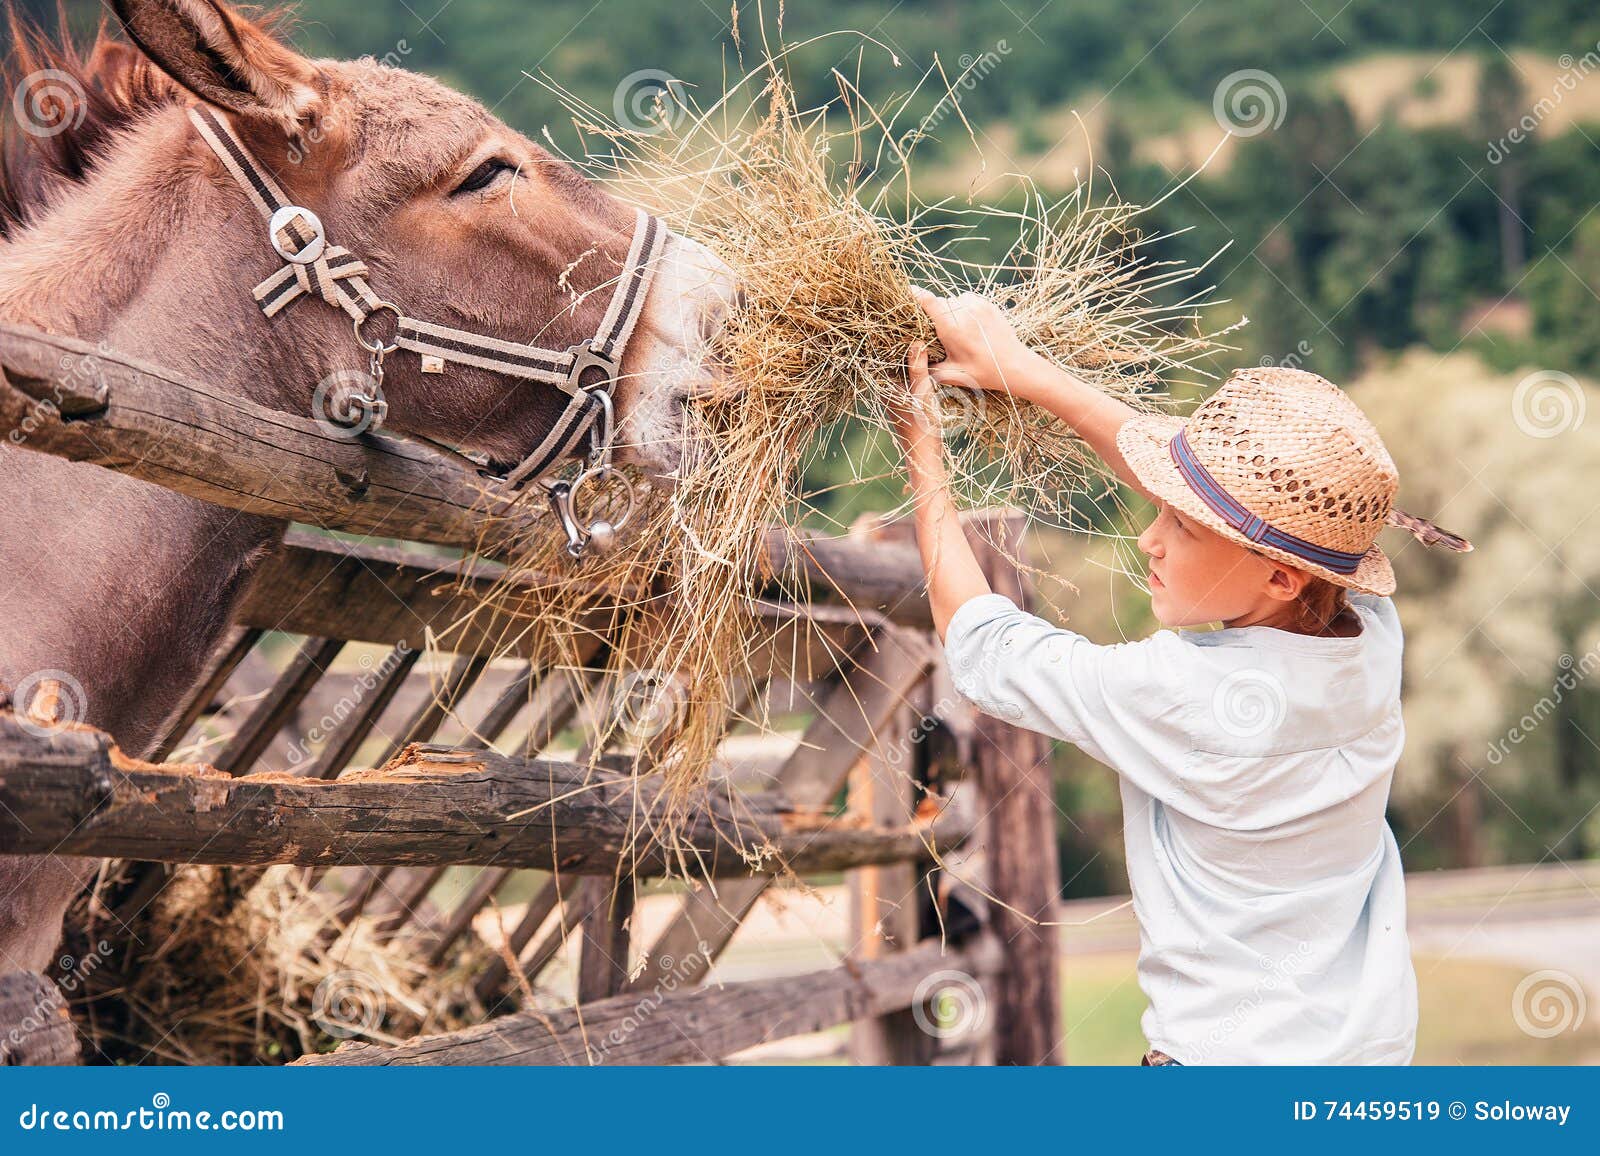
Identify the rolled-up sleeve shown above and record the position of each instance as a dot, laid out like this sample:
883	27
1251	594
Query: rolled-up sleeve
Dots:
1122	704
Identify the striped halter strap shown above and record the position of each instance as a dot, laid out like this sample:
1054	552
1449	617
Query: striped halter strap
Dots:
313	267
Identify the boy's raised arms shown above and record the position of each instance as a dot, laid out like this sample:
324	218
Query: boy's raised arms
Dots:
983	350
954	575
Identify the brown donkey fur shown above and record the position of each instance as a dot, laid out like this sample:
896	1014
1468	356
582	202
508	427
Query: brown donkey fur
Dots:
124	229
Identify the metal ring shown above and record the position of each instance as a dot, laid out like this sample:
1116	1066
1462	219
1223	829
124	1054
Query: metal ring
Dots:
601	475
312	249
380	347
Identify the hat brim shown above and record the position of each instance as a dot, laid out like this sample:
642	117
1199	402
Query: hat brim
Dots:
1144	441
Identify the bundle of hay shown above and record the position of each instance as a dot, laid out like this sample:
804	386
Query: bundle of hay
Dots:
213	972
798	206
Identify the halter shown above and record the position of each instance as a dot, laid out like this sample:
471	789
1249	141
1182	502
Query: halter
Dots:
313	267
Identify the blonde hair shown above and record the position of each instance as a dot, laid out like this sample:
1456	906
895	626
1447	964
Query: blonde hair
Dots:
1318	607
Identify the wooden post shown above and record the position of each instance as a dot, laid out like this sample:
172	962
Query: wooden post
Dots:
1013	773
607	905
35	1029
884	903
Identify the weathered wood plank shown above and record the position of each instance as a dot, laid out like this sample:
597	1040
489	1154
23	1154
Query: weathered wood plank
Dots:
141	420
1014	779
224	660
288	691
72	793
847	725
603	954
149	423
35	1029
684	1024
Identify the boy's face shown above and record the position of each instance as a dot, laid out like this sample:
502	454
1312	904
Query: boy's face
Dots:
1198	576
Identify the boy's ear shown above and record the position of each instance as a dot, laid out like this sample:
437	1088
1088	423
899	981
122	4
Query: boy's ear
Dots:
1285	583
224	59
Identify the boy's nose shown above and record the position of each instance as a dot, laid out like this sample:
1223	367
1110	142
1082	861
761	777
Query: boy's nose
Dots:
1148	542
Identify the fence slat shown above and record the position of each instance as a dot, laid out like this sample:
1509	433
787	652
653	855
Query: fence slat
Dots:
846	724
689	1024
71	793
273	711
225	659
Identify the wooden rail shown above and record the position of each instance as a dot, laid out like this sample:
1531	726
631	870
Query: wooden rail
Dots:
672	1023
66	397
70	791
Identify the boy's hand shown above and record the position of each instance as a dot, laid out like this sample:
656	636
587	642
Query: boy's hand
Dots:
982	350
916	426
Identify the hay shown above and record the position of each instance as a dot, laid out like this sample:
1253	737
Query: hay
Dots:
218	973
798	208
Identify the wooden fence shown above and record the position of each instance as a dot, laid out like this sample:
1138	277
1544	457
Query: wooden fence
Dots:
920	778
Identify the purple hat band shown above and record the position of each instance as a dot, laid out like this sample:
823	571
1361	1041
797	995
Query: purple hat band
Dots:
1225	506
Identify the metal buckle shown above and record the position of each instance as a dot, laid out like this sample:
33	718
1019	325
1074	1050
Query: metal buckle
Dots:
313	248
601	533
380	348
585	356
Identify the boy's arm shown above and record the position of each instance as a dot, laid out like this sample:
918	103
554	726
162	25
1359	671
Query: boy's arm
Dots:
954	575
981	346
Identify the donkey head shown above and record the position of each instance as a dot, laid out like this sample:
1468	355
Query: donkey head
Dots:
461	221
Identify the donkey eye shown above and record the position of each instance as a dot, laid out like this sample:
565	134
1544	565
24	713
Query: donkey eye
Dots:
483	176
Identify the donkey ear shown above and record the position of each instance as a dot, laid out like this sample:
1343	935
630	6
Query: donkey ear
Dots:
224	59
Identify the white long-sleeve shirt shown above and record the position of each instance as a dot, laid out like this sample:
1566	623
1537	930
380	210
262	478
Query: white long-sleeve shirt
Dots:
1255	767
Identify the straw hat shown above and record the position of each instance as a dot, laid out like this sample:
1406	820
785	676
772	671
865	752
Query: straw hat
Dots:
1282	462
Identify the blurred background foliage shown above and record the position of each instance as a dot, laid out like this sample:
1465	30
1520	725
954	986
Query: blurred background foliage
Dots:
1388	228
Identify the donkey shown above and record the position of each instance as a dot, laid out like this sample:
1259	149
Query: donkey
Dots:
121	226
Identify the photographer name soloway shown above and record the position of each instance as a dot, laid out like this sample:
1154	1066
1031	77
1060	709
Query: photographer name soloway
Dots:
1429	1110
1506	1110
